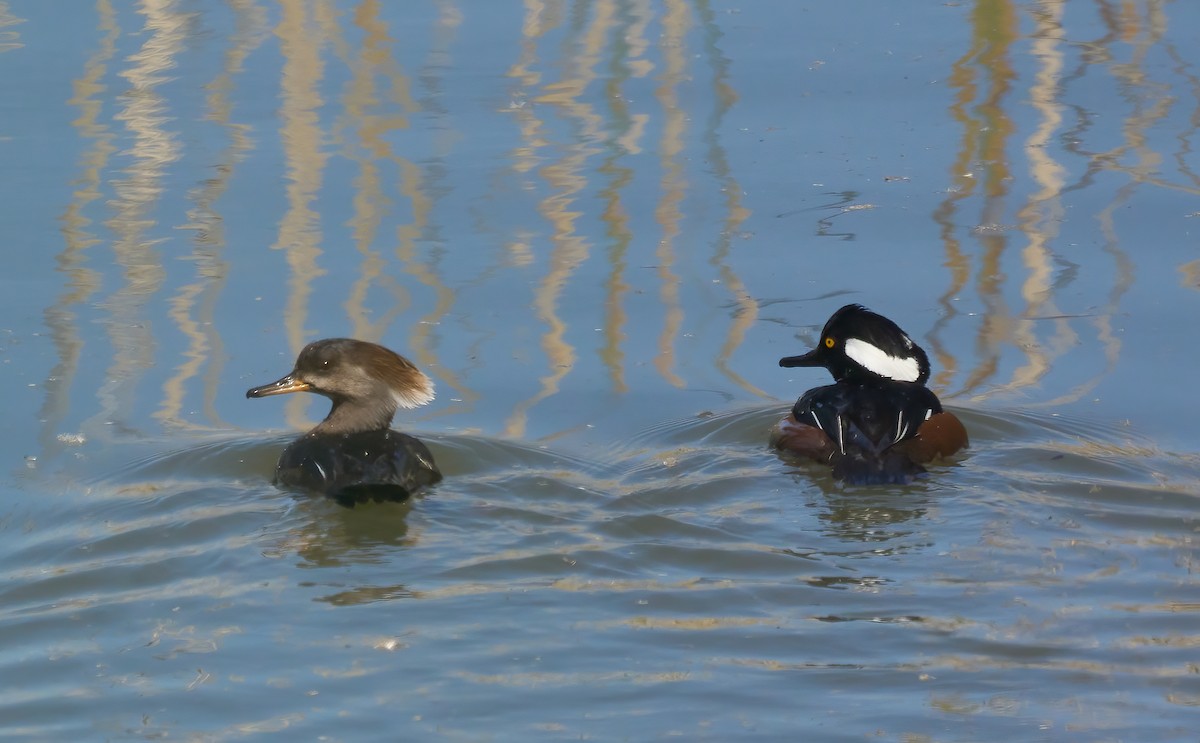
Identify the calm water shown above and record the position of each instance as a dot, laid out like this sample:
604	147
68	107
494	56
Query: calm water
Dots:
598	225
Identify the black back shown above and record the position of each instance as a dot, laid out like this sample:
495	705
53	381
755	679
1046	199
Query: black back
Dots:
381	465
865	422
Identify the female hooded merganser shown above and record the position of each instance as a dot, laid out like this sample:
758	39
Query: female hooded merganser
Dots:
353	455
879	423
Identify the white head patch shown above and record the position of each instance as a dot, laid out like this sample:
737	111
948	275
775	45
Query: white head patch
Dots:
875	359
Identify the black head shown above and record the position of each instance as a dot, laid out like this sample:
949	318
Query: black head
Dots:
859	345
366	382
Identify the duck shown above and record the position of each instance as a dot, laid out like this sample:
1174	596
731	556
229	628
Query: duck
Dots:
878	423
353	455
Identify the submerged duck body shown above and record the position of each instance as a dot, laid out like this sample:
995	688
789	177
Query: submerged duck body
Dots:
353	455
878	423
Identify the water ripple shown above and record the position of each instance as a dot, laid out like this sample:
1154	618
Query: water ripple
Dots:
688	540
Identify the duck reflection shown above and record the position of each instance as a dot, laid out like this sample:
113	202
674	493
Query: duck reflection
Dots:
327	536
886	522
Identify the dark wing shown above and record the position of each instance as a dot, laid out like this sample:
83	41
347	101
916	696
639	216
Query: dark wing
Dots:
355	468
865	422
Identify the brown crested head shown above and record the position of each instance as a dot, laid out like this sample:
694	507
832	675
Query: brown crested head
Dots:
366	382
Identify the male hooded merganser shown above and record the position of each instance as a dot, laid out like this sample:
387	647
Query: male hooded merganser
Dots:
879	423
353	455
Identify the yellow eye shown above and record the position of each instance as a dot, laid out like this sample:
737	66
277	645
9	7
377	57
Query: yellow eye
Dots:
829	343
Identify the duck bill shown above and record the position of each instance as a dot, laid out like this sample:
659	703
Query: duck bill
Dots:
280	387
812	358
